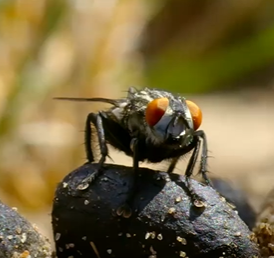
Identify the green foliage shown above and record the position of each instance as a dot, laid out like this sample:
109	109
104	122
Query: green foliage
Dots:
179	72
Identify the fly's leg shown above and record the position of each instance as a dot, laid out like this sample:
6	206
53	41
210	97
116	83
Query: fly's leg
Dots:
125	210
190	167
200	135
96	119
172	165
88	135
203	164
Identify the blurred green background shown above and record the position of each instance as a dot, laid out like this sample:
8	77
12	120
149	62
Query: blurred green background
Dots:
85	48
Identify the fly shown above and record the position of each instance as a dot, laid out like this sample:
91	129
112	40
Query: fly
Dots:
148	125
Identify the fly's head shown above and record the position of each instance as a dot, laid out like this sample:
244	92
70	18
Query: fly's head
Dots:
172	120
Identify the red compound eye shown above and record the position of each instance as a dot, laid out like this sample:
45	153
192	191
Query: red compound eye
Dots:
196	114
155	110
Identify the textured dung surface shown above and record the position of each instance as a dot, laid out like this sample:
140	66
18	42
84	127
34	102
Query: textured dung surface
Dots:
264	228
238	198
85	223
18	238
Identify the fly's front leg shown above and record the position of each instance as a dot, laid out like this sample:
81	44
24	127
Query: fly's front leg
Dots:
190	167
134	146
126	209
170	168
197	201
172	165
193	159
88	136
96	119
203	164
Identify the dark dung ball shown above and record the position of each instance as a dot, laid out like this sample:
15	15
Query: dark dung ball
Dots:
18	238
237	197
165	222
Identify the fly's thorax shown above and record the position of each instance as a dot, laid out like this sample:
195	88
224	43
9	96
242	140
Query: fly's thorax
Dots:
119	112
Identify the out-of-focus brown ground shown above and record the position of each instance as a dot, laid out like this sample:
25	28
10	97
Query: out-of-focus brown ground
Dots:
239	129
